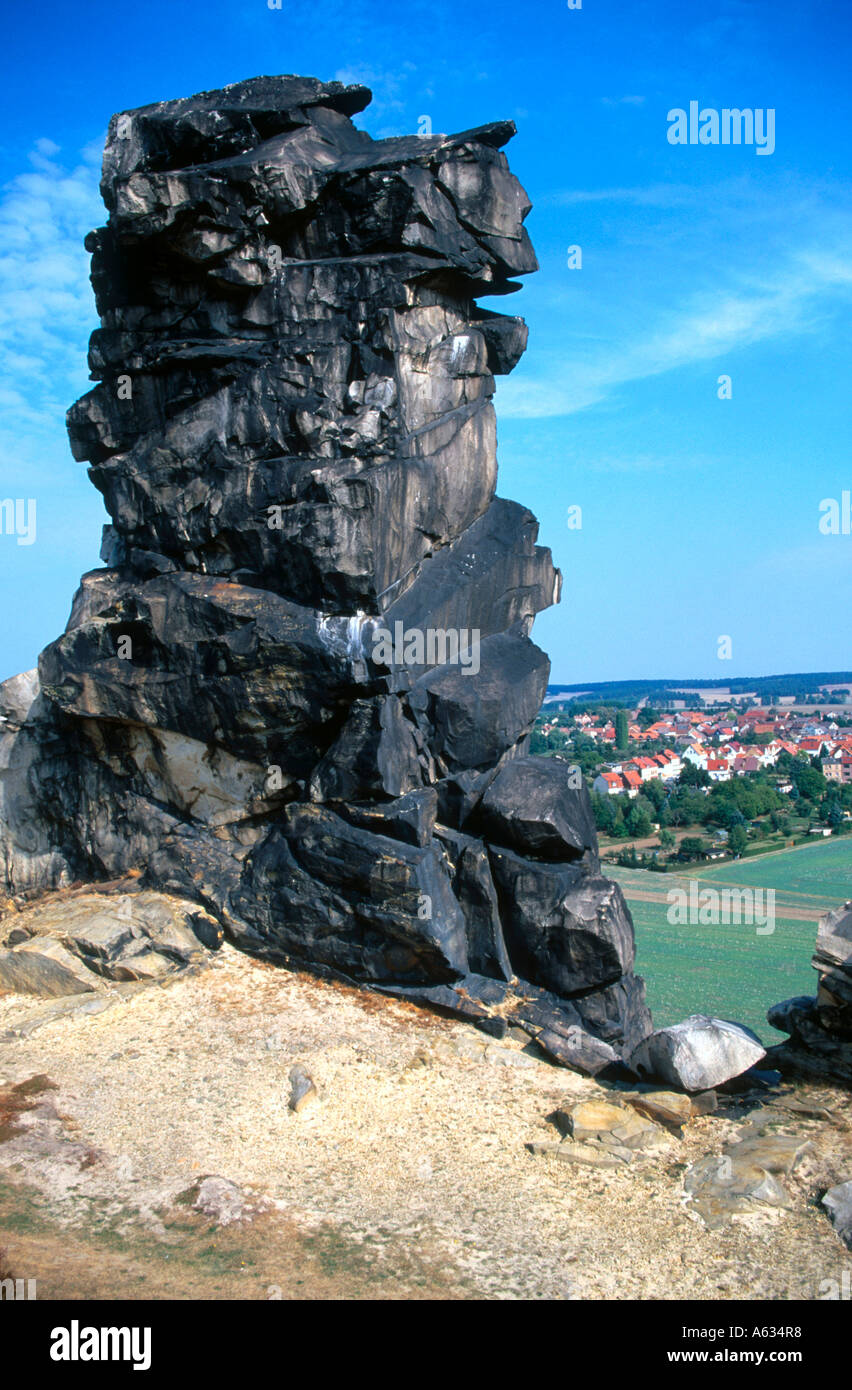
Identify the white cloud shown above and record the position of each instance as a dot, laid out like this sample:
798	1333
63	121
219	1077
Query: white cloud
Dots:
46	305
742	267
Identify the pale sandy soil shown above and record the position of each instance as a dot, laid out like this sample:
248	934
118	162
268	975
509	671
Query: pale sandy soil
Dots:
408	1178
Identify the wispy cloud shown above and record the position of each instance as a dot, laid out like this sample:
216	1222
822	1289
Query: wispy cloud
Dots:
658	195
746	268
46	305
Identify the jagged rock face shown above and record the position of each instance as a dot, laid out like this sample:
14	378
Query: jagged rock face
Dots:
301	691
820	1028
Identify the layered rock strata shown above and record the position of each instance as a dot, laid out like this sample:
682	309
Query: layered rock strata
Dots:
301	690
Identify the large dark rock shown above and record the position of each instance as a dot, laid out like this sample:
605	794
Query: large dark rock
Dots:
471	718
301	690
323	891
539	806
567	928
820	1028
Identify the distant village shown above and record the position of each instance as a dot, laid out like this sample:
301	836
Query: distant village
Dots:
724	745
734	776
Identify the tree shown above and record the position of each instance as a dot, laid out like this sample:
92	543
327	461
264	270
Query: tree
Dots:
691	847
691	775
603	812
667	839
638	821
737	839
808	780
621	729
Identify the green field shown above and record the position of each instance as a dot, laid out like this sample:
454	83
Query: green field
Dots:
731	970
817	875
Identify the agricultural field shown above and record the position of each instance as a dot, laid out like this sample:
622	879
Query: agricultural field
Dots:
818	873
731	969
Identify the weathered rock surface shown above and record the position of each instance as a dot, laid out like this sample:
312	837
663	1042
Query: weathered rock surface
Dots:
300	692
303	1091
820	1028
539	806
698	1053
746	1175
75	945
667	1108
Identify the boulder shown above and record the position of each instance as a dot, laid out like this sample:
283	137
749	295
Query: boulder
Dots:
70	944
539	807
668	1108
566	928
469	719
44	967
697	1054
598	1119
820	1028
838	1203
744	1177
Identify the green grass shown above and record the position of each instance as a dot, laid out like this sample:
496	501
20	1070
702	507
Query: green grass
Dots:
731	971
818	874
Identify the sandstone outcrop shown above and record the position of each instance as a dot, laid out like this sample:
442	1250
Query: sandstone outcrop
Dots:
820	1028
299	693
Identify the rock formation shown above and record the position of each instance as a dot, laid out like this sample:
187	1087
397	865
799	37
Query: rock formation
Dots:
820	1044
69	944
300	692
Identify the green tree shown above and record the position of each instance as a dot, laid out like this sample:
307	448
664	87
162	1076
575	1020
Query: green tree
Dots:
809	781
691	775
638	821
621	727
737	839
603	812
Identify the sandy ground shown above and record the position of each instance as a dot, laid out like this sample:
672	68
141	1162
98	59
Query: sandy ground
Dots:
408	1178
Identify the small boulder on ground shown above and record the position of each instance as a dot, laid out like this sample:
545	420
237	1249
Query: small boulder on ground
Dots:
697	1054
303	1091
746	1175
617	1127
42	966
838	1204
668	1108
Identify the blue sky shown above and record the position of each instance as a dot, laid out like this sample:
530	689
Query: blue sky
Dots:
699	515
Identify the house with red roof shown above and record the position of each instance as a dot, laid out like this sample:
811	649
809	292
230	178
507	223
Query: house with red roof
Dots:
608	784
